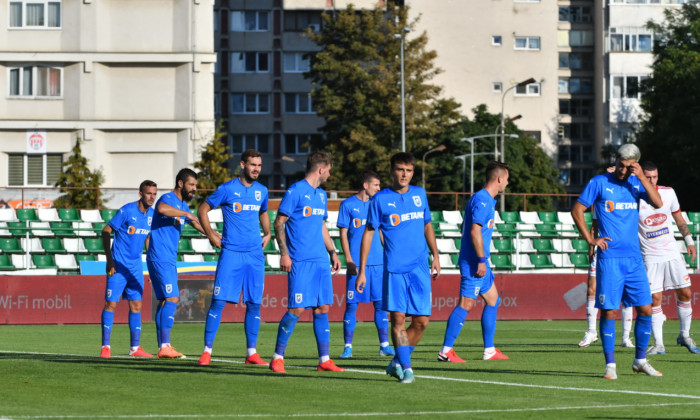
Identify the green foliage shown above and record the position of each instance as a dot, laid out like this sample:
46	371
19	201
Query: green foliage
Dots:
212	167
78	183
357	89
671	102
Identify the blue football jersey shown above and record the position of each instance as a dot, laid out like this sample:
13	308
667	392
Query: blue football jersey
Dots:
165	231
352	216
241	207
401	219
616	206
131	228
480	209
306	208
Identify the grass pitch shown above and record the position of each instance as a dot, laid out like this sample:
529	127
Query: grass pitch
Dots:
52	372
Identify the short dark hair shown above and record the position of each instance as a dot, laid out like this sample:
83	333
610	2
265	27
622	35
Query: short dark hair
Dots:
249	153
367	176
315	160
494	169
402	157
147	183
649	166
184	174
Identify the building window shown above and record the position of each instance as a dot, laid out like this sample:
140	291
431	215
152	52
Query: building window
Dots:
496	40
627	87
576	154
496	87
576	107
527	43
35	14
575	85
299	20
296	62
576	61
298	103
250	103
250	62
575	131
299	144
642	41
581	38
533	89
620	134
575	14
36	170
35	81
250	21
243	142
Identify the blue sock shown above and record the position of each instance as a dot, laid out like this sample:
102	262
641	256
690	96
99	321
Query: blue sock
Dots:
488	323
135	328
285	330
381	321
403	353
607	335
252	324
642	333
454	325
157	320
213	321
349	322
107	324
322	331
167	319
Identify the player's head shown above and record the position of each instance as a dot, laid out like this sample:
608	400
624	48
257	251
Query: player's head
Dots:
402	166
319	163
497	173
186	182
651	172
627	155
148	190
369	182
251	165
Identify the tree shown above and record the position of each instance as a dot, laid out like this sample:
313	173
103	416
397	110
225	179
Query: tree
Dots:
213	165
79	184
668	133
357	89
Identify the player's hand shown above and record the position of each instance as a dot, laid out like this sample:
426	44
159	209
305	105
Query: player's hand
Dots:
435	269
215	240
111	269
602	243
360	282
335	264
192	217
351	268
481	269
636	170
266	240
286	263
691	251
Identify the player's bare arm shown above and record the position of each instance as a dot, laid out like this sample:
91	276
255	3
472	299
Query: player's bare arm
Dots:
652	193
432	244
594	232
685	232
330	247
365	246
107	245
265	225
203	215
170	211
345	244
281	235
580	220
478	243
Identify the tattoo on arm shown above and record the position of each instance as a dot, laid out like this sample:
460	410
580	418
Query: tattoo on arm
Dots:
281	236
683	228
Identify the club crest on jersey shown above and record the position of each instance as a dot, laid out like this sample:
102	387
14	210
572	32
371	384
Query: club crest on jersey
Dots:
217	289
601	299
168	288
298	297
394	219
351	294
149	221
237	207
417	201
109	293
356	223
258	195
323	198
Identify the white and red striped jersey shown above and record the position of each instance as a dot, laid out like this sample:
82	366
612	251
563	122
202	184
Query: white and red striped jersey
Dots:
656	228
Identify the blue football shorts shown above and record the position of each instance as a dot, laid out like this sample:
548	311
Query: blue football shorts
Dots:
240	271
408	293
621	279
373	288
124	283
309	285
164	279
471	286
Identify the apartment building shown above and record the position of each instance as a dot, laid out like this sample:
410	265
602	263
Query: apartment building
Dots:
133	78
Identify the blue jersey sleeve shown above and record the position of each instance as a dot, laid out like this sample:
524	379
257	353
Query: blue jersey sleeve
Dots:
218	197
427	217
289	203
344	215
638	189
263	204
480	211
590	193
374	216
118	219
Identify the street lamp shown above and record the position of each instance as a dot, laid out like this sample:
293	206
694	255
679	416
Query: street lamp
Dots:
401	36
472	154
439	148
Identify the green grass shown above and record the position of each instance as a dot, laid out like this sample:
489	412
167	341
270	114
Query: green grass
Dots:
63	377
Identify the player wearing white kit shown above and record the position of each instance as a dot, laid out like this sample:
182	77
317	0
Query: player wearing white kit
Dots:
664	263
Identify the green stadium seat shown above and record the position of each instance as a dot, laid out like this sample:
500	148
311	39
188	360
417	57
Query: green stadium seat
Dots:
273	215
510	217
506	229
541	261
62	229
10	245
98	227
17	228
44	261
548	216
436	216
188	231
580	245
588	216
69	215
502	262
504	245
455	259
688	257
458	243
94	245
212	257
547	229
6	263
28	215
85	257
343	264
107	214
543	245
53	245
338	245
580	260
184	246
270	248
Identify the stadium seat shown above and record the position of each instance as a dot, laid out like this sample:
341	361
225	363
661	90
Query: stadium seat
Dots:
18	228
6	263
84	257
510	217
502	262
103	257
107	214
91	216
83	229
579	260
548	217
31	244
69	215
455	259
436	216
333	218
202	246
48	215
20	261
506	229
448	229
524	245
446	246
94	245
580	245
189	231
274	261
273	215
66	262
216	216
504	245
44	261
693	217
530	217
524	262
74	245
62	229
563	246
526	229
3	229
681	246
28	215
692	264
564	217
40	228
10	245
588	216
543	245
453	217
547	229
446	261
8	215
193	258
343	261
53	245
184	246
458	243
541	261
561	260
271	247
568	231
338	245
497	217
212	258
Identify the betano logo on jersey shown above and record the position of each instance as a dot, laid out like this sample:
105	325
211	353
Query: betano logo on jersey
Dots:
490	224
610	206
132	230
358	222
655	220
308	211
238	207
395	219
